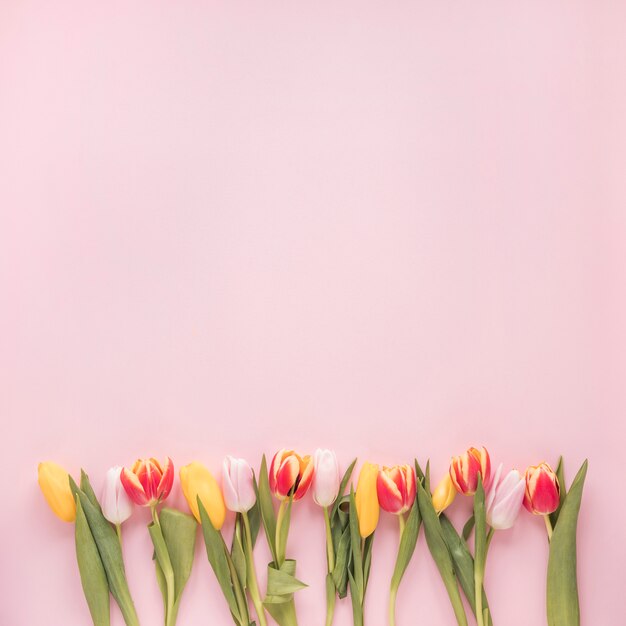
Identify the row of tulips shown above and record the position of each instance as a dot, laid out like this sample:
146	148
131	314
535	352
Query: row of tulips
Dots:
350	520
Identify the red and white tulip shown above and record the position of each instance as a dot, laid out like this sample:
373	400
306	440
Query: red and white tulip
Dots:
464	470
543	491
396	488
290	474
148	482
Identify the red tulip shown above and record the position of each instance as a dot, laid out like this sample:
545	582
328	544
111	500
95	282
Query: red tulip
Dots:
396	488
148	483
464	470
543	491
290	474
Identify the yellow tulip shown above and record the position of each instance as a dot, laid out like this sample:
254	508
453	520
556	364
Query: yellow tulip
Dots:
444	494
197	481
54	482
366	499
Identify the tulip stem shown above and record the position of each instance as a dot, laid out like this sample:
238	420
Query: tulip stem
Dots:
163	559
330	553
546	518
118	530
254	584
330	558
279	522
393	594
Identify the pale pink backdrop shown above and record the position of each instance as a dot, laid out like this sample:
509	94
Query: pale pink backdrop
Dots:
393	229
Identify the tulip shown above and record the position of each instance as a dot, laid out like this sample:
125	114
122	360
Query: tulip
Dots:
198	482
444	494
396	488
290	474
325	477
54	482
117	506
366	499
464	470
238	485
504	500
148	483
543	491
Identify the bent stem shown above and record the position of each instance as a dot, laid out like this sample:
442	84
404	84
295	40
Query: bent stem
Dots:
546	519
330	559
254	584
168	574
393	593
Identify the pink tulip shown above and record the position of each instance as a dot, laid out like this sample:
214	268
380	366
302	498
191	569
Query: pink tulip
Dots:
117	506
325	477
504	500
238	485
464	470
543	491
396	488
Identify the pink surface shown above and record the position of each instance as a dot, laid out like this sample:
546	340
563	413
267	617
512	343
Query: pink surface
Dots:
394	229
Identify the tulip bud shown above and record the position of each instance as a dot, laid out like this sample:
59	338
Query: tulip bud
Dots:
54	482
325	477
444	494
148	483
117	506
290	474
396	488
238	485
543	491
504	499
198	482
366	499
464	470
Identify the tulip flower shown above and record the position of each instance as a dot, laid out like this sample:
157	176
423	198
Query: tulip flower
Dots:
396	488
464	470
543	491
238	485
325	477
54	482
504	500
366	499
444	494
290	474
148	483
117	506
198	482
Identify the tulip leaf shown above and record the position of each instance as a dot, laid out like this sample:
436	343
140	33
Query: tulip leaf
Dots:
469	527
87	489
268	515
216	553
408	540
357	556
560	474
357	606
165	571
342	561
367	560
562	588
342	487
92	574
282	582
418	471
110	553
463	563
254	517
237	553
440	553
179	532
480	529
283	613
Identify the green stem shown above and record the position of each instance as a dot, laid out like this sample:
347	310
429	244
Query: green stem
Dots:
279	522
254	584
548	526
393	594
241	600
330	559
479	580
168	573
118	530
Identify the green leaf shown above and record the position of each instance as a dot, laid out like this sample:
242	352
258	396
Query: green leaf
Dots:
92	574
418	471
268	515
560	474
357	606
463	563
480	532
283	613
237	552
440	553
357	556
254	517
562	587
282	582
110	553
86	488
367	560
165	572
407	545
179	532
426	480
342	487
216	554
469	526
342	561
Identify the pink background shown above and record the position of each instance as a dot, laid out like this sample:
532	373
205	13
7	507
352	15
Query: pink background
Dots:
394	229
